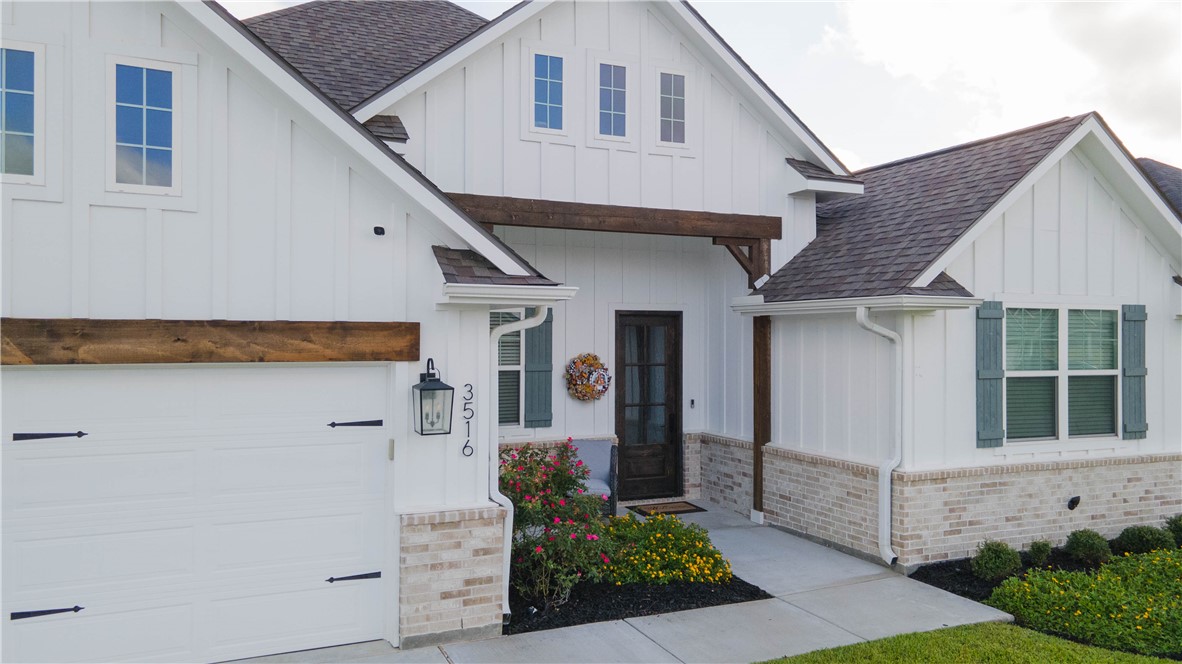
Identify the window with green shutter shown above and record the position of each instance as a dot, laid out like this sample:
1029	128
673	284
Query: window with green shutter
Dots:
509	368
1062	372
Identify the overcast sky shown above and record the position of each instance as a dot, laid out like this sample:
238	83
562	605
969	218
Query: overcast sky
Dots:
882	80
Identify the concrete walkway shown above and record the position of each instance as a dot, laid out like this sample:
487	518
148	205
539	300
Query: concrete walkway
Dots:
823	599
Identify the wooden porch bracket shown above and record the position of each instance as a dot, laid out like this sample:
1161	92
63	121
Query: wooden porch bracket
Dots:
755	260
46	341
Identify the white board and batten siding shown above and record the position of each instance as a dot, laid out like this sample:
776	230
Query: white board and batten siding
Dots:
1068	240
618	272
832	387
471	131
179	521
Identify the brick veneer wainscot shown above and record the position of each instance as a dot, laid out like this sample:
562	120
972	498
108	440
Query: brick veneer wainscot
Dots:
945	514
451	584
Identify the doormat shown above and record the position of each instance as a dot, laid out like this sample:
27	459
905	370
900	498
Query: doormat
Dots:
677	507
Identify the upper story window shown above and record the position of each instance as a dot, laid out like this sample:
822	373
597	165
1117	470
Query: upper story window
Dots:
547	91
143	126
612	100
17	116
672	108
1040	367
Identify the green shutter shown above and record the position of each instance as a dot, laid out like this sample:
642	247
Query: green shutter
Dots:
1133	371
539	371
989	375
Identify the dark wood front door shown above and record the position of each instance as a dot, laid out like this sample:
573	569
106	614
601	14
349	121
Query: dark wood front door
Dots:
648	404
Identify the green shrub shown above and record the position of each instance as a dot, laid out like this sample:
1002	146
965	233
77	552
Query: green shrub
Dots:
995	561
1040	551
1088	547
662	549
558	535
1174	525
1142	539
1133	603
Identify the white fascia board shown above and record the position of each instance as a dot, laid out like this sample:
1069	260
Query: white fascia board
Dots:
739	71
504	296
1162	224
1002	204
419	78
753	305
431	200
829	186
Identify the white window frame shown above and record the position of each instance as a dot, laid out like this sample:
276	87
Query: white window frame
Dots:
570	85
1063	374
39	123
178	106
651	109
632	92
519	368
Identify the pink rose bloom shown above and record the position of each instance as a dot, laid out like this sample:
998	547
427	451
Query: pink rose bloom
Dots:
604	496
561	501
557	520
572	536
539	549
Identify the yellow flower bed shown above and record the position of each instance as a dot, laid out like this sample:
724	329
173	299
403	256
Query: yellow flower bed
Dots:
662	549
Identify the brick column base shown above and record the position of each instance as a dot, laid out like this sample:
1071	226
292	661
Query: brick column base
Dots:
451	576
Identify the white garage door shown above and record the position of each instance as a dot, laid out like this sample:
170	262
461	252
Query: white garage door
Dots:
199	517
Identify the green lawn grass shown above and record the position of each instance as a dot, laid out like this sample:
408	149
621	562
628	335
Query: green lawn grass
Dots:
986	643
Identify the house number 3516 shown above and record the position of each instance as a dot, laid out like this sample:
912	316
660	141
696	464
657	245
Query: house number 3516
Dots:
469	397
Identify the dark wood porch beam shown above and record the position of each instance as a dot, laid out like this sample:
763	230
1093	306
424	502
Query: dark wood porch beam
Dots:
505	211
756	261
32	341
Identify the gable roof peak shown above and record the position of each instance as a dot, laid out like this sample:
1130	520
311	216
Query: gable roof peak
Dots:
1072	120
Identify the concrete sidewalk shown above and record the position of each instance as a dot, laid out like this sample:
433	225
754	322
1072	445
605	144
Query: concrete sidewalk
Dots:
823	599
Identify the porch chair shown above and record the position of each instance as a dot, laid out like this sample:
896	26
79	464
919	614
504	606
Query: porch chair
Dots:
600	457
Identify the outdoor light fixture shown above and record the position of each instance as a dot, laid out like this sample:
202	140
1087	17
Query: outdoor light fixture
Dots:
431	400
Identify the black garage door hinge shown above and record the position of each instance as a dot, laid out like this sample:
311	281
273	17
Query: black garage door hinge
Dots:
355	577
20	615
38	436
360	423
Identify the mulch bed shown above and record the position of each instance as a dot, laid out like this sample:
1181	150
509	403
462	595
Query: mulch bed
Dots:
596	602
956	576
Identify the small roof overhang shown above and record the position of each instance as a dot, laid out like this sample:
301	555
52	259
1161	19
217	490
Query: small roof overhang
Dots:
503	296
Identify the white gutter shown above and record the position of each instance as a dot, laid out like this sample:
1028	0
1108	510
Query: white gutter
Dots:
754	304
884	471
502	295
494	460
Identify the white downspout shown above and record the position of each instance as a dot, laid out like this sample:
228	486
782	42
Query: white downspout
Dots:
884	471
494	460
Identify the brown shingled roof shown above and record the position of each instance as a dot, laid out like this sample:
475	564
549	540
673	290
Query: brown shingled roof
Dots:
387	128
463	266
812	171
877	244
352	49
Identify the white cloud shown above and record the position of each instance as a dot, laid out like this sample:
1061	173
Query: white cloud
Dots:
1007	64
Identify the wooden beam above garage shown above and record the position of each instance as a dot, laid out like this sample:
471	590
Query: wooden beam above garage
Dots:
46	341
505	211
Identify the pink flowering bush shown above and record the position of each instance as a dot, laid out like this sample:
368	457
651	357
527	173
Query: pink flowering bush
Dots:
559	537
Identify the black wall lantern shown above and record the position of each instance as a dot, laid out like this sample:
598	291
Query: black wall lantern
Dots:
431	400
